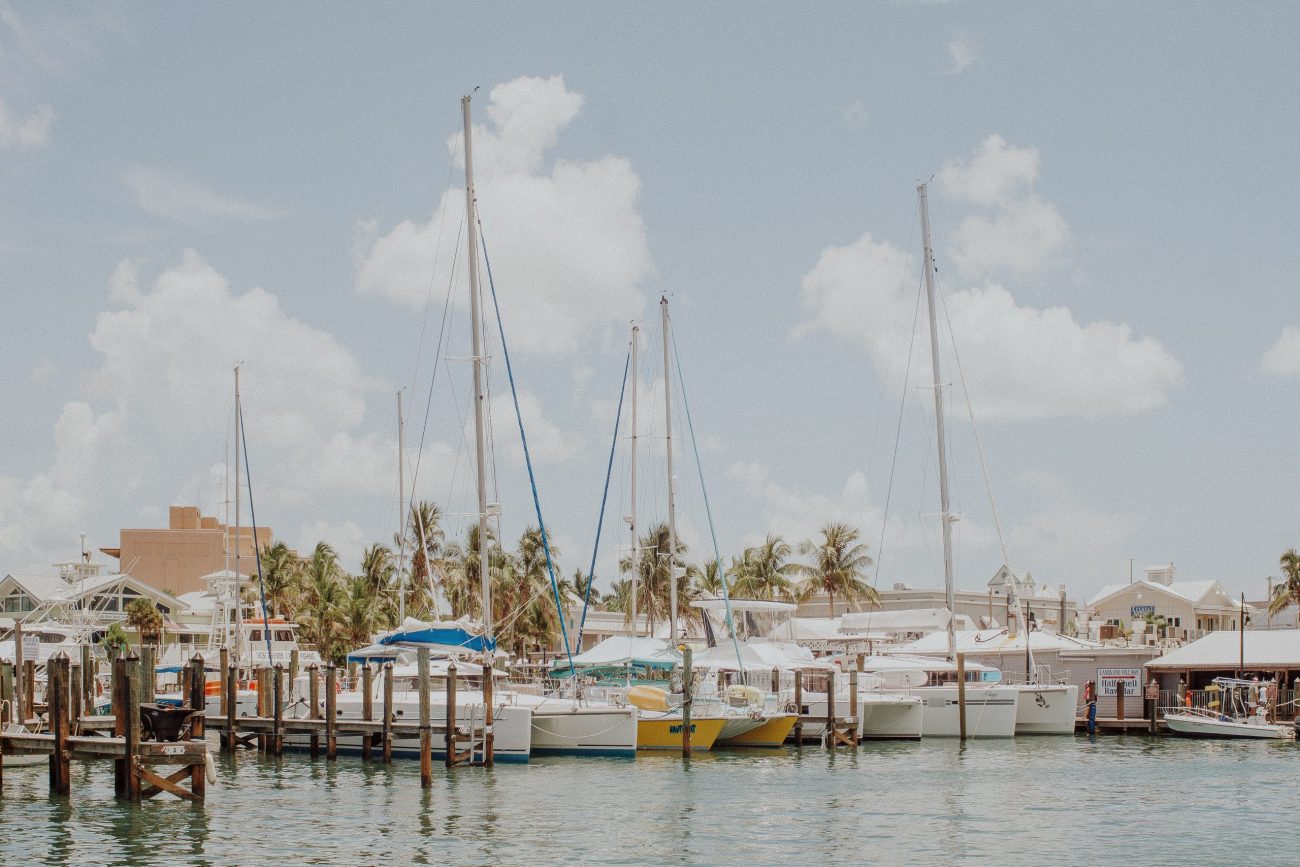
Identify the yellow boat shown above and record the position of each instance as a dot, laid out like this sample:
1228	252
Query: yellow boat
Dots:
772	733
659	728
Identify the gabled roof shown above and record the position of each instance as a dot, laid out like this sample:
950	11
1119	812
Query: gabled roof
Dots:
54	589
39	587
1195	592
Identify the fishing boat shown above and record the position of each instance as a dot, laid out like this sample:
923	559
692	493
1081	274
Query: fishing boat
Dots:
1234	715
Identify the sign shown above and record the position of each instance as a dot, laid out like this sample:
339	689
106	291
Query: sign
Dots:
174	750
1153	691
1109	680
31	647
1142	610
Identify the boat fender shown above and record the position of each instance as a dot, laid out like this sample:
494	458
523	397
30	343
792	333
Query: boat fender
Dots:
210	768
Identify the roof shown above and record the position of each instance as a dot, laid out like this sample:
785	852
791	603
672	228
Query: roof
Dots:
1194	592
41	587
909	620
997	641
1266	649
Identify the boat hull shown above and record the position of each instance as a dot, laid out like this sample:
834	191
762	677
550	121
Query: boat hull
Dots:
890	717
585	731
772	732
990	711
1046	710
1191	725
665	733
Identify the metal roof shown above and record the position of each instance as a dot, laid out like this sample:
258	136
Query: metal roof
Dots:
1264	649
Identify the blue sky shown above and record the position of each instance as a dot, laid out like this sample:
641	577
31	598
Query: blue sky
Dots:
1112	200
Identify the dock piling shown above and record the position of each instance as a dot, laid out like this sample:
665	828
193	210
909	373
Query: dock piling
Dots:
688	675
277	697
198	701
367	707
331	714
229	701
56	699
830	711
426	721
451	714
148	673
961	696
313	697
388	713
798	706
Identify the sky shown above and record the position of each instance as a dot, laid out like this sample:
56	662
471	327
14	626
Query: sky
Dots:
189	187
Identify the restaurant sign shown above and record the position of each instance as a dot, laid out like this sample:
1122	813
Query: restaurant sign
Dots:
1142	610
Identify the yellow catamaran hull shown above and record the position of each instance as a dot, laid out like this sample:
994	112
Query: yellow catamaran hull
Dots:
771	733
665	733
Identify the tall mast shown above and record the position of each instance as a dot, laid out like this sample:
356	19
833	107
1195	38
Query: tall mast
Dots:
480	397
239	608
636	542
672	505
401	512
945	519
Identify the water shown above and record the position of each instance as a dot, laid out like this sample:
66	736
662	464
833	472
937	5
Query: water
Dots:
1027	801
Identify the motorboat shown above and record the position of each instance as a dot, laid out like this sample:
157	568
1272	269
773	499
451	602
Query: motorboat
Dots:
1235	715
991	708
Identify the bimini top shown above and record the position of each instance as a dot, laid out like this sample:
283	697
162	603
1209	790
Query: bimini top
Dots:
449	636
625	650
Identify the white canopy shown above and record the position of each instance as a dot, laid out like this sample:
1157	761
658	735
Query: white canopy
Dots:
627	650
909	620
997	641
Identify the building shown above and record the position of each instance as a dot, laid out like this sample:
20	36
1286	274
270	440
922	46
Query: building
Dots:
1190	608
1267	653
986	608
193	545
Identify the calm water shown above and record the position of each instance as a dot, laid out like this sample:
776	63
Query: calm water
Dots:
1043	801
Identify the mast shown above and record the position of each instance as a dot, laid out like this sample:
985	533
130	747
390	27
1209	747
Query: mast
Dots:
636	542
672	505
239	608
480	397
401	512
945	519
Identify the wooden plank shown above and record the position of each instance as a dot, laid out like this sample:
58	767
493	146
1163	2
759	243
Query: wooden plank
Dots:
163	784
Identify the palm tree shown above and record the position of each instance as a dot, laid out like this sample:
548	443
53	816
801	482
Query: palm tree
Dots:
460	572
377	570
322	596
707	579
145	618
280	571
763	572
360	610
652	568
838	566
425	538
1288	592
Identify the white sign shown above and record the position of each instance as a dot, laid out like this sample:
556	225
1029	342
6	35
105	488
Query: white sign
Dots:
174	750
1109	679
31	647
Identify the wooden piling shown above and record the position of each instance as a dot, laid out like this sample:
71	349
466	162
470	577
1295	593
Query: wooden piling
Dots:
313	712
230	700
264	698
88	678
126	696
29	688
56	699
148	673
798	706
293	672
426	718
8	713
688	675
830	710
20	670
1119	699
489	748
74	698
367	707
451	714
776	681
388	713
961	695
331	714
854	703
199	701
277	723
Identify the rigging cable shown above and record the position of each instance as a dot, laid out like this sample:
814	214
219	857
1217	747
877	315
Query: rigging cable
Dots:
600	521
708	511
528	461
257	554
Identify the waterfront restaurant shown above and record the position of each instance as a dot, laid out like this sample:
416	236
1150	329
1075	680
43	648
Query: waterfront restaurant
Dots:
1190	609
1267	653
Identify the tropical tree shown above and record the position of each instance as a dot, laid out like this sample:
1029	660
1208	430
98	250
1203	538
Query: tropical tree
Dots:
839	563
424	539
322	596
378	573
359	611
707	579
652	569
280	572
114	641
459	566
145	618
763	572
1288	592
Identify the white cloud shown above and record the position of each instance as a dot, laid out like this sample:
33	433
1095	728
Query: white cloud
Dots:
855	113
1020	362
1283	357
25	133
546	442
1026	236
961	51
568	244
43	371
797	514
173	196
347	539
997	173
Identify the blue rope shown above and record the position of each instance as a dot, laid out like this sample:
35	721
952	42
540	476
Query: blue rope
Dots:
717	554
528	461
257	554
600	521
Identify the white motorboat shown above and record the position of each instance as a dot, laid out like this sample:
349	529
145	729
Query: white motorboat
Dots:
1046	708
1237	714
991	708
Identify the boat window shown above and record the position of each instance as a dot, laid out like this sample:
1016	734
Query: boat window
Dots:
284	635
255	635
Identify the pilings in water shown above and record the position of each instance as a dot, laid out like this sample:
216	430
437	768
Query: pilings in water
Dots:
688	688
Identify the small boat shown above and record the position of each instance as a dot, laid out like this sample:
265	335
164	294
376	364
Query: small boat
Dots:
1235	716
660	725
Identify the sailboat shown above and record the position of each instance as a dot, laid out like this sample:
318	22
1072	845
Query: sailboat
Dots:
991	709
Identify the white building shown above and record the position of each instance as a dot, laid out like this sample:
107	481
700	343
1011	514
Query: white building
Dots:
1190	608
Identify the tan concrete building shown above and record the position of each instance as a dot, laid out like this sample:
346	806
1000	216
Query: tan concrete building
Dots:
193	545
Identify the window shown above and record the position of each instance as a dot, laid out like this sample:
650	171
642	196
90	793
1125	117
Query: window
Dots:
1176	622
18	602
255	635
284	635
